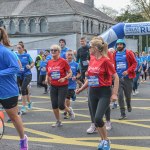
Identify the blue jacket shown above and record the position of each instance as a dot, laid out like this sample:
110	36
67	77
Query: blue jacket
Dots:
8	68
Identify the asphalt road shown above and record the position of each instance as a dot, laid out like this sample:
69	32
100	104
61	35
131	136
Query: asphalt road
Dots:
130	134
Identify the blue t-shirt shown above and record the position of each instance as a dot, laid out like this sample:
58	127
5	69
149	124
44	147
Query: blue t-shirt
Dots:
8	68
43	67
25	60
49	57
63	52
139	63
75	69
121	63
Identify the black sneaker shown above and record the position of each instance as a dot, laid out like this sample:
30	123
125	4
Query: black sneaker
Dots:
123	117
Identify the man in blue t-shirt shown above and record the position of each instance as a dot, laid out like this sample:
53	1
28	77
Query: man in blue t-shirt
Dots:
72	81
64	49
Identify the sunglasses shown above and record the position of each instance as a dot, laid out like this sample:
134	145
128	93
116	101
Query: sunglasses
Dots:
54	50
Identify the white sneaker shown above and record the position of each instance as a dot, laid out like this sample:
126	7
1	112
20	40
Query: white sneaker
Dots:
91	129
136	91
72	114
108	125
133	93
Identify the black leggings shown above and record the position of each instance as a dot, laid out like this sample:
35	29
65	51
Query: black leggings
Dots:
42	78
58	96
23	83
99	101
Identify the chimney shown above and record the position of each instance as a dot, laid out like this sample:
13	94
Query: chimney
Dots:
89	2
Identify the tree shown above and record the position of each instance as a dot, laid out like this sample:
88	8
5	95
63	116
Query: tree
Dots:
142	6
109	11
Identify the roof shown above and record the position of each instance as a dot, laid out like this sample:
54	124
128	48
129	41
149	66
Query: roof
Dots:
49	7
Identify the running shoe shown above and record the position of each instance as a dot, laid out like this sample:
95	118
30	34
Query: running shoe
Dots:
123	117
24	143
133	93
108	125
106	145
101	145
57	124
114	106
91	129
30	105
66	115
23	110
136	91
72	114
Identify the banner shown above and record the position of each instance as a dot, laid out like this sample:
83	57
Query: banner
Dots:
141	28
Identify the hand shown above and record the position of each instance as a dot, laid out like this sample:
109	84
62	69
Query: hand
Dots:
78	91
46	82
28	66
146	70
61	80
125	73
114	98
73	78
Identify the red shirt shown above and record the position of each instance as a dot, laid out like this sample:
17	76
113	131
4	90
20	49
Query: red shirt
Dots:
57	69
100	72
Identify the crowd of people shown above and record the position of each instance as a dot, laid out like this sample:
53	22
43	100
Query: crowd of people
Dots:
107	75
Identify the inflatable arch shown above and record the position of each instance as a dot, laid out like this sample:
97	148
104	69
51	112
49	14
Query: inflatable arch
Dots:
120	30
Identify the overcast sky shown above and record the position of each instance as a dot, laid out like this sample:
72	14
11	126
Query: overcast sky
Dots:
116	4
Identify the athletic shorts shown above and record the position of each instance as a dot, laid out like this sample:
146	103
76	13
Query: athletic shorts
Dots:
9	103
70	93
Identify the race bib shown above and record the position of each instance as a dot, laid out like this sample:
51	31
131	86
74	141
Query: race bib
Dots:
55	75
85	63
43	69
93	81
121	65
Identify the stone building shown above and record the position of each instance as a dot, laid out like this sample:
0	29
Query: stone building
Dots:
41	22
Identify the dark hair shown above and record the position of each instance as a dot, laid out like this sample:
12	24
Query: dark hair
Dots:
47	50
22	45
4	37
63	40
83	38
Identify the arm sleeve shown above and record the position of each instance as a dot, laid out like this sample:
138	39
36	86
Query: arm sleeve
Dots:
132	60
11	62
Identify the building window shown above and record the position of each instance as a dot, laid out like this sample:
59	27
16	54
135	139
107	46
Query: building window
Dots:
99	28
12	27
22	26
91	26
43	25
87	26
103	28
83	26
32	26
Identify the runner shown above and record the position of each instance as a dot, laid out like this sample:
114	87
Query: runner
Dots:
72	81
100	72
37	65
64	49
43	64
83	57
125	65
58	73
48	55
9	96
138	72
25	76
92	128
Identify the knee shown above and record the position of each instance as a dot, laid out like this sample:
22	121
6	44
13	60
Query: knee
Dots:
62	106
99	122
